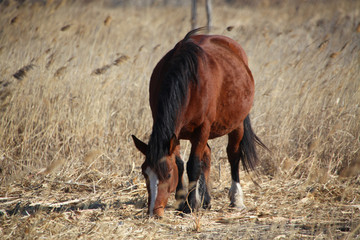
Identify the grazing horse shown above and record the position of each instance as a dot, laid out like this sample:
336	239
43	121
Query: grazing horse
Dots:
200	90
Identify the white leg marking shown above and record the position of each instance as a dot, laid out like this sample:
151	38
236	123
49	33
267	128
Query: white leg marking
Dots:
194	186
153	181
236	195
197	194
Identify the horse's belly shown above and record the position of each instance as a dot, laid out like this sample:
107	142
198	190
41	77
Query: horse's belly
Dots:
230	115
220	129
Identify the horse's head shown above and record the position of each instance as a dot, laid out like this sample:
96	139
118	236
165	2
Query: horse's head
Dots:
162	179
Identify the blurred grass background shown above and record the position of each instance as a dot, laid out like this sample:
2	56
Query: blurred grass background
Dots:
74	86
85	84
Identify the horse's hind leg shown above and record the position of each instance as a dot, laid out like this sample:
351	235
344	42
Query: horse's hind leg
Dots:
234	154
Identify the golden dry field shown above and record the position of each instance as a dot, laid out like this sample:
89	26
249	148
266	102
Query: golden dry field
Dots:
74	86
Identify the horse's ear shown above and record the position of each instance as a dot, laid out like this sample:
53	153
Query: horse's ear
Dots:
140	145
173	143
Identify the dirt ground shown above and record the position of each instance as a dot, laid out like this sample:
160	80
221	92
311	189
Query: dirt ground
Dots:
74	87
280	209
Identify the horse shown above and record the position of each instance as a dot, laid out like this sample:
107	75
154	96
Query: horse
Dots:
200	90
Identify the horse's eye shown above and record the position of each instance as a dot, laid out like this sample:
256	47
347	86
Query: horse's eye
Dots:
168	176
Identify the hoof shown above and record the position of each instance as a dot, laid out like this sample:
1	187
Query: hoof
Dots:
187	207
206	205
184	207
236	196
237	207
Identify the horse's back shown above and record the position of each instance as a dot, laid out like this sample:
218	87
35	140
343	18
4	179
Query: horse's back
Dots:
218	43
226	84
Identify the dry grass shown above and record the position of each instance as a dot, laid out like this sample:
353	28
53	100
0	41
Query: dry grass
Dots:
74	87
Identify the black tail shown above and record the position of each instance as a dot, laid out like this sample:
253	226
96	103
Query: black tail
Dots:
248	143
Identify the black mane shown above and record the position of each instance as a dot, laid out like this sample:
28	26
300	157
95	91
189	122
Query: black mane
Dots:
181	69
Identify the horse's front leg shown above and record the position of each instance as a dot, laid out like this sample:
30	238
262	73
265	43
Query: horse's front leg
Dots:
197	189
181	193
204	179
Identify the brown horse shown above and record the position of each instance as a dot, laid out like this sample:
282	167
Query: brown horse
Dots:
201	89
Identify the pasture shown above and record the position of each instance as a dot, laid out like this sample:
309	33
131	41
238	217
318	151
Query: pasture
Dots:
74	79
